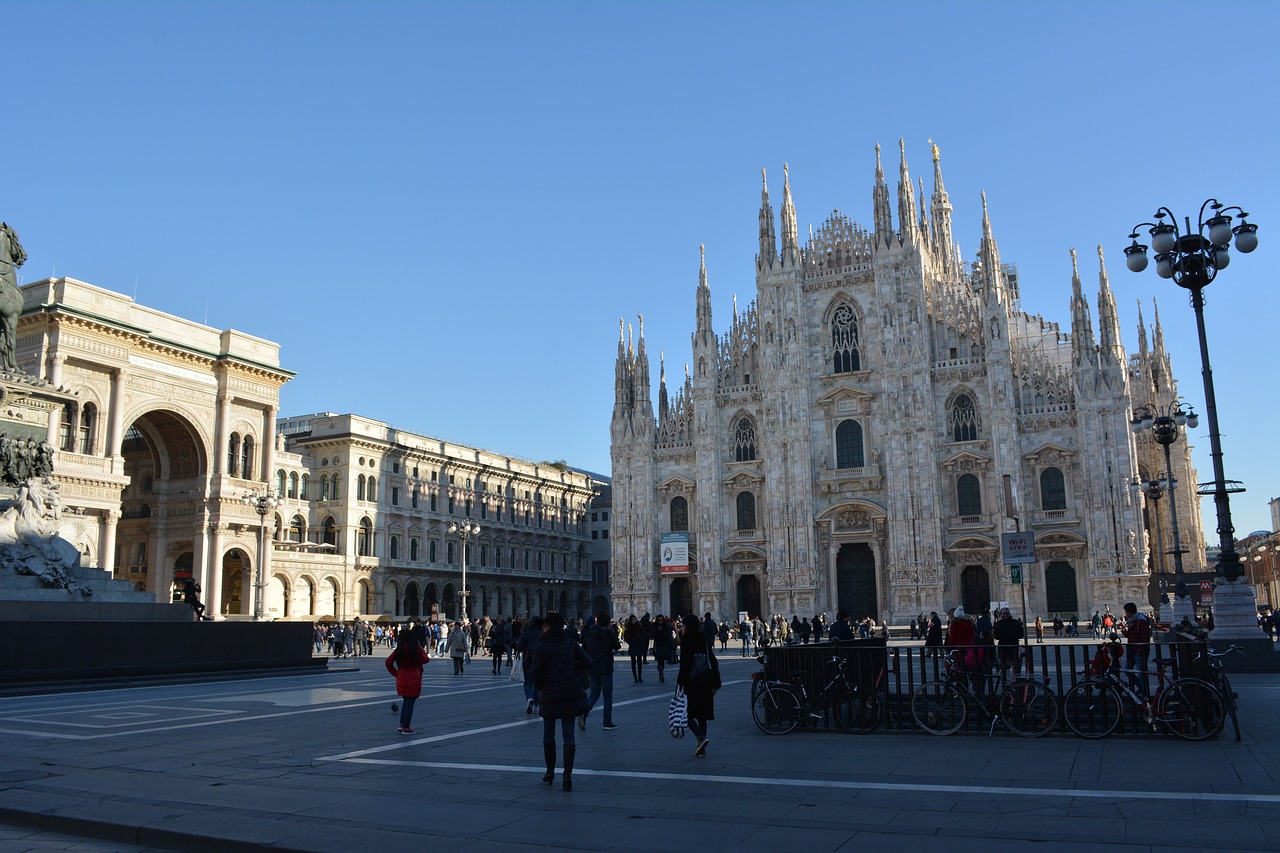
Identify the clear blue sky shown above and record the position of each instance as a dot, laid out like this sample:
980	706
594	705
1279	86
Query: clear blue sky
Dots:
440	210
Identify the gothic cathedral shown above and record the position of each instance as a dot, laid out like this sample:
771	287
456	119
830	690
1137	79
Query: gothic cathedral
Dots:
868	427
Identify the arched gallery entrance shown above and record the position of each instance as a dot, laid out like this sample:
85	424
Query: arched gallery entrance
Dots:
747	595
165	462
235	582
975	589
681	597
856	580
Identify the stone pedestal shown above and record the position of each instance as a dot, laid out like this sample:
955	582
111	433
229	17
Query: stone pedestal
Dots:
1235	612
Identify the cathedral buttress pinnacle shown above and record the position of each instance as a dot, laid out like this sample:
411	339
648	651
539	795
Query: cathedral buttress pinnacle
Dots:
790	230
704	334
768	239
1082	340
906	195
989	254
941	204
662	385
880	199
1111	349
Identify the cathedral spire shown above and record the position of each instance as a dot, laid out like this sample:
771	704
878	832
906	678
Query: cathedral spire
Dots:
880	199
1082	341
662	385
1108	322
906	194
703	319
925	236
941	204
643	411
768	240
989	254
1157	340
790	230
1142	334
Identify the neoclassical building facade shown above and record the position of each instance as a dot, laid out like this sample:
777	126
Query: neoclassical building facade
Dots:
174	423
369	524
870	424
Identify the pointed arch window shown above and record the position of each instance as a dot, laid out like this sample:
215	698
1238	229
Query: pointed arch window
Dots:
233	454
968	495
849	452
746	511
679	514
1053	489
246	458
964	419
744	440
846	356
88	423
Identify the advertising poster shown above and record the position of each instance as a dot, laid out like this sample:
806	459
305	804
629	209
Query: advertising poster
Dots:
675	553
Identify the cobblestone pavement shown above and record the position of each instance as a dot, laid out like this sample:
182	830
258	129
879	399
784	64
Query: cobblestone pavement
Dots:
315	763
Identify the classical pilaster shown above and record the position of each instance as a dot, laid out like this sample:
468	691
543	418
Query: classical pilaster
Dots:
213	571
115	422
107	551
158	574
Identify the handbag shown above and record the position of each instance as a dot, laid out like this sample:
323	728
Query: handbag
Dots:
678	713
517	670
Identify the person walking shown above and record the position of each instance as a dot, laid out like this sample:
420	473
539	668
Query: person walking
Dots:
406	663
526	646
555	667
1008	633
933	635
664	644
636	647
600	642
699	687
1039	630
458	644
499	638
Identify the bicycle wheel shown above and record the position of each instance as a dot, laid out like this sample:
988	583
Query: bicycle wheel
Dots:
858	711
938	707
757	687
776	710
1229	701
1092	709
1029	708
1191	709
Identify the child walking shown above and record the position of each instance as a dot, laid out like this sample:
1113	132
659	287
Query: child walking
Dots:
406	663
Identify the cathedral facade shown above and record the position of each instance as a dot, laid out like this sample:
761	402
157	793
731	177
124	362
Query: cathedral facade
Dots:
869	426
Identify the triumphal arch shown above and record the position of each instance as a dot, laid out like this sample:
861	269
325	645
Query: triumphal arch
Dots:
173	423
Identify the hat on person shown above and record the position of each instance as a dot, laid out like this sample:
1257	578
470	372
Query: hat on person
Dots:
959	612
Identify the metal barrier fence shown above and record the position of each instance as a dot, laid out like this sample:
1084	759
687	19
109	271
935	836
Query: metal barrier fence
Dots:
897	671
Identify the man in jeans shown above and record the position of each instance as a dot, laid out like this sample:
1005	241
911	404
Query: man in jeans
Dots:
600	642
1137	630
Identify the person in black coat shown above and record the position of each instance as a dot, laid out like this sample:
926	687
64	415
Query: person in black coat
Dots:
701	689
557	667
664	644
600	641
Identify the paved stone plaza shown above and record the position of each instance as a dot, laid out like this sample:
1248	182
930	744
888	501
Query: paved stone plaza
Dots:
315	763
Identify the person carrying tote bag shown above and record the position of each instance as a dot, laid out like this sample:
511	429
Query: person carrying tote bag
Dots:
700	678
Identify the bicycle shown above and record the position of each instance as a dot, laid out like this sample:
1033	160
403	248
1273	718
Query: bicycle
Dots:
1189	708
781	706
1218	678
1026	705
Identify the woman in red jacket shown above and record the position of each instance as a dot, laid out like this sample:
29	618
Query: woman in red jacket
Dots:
406	663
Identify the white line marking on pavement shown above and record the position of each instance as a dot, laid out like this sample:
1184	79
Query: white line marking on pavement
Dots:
989	790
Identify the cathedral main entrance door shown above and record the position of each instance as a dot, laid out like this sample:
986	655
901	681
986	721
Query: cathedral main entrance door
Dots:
856	580
1060	590
975	589
681	597
748	597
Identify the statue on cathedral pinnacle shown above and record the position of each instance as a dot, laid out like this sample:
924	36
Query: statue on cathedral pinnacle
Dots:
933	147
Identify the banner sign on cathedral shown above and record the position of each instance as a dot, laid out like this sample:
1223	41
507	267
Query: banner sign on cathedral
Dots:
675	553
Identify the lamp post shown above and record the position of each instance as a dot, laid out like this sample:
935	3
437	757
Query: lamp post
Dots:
465	531
1155	489
1193	259
262	503
1164	422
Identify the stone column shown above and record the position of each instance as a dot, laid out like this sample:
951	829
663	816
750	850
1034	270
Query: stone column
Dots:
55	368
200	561
158	574
107	542
269	445
115	422
220	430
213	572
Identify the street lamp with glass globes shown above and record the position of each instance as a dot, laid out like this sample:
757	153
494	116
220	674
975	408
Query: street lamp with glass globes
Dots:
1193	258
1155	490
263	503
464	531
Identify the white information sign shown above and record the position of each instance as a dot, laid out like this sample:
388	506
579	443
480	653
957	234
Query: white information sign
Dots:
1018	547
